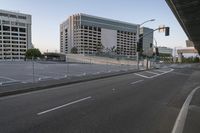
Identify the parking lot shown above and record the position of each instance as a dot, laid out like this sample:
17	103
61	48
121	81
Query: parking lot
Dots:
24	72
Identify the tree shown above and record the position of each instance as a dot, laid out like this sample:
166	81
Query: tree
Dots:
196	59
100	47
33	53
74	50
113	49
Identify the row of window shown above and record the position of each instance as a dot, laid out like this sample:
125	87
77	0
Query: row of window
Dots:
13	38
14	50
86	30
13	58
13	34
12	23
16	46
12	16
91	28
10	53
14	29
125	32
13	42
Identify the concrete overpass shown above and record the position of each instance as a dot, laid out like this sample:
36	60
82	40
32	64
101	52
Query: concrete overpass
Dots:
188	15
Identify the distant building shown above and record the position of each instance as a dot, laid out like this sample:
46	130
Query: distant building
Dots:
189	43
54	56
146	41
165	50
15	35
88	33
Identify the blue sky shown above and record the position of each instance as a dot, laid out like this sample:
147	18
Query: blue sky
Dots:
48	14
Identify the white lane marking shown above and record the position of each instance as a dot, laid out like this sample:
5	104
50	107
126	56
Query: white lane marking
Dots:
160	70
152	73
137	82
162	73
142	75
180	120
58	107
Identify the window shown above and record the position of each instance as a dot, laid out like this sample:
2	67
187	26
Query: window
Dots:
6	41
22	30
6	28
6	37
22	42
22	34
99	29
15	38
22	17
22	38
14	29
3	14
13	16
14	34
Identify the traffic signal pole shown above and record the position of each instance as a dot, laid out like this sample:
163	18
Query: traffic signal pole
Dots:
167	32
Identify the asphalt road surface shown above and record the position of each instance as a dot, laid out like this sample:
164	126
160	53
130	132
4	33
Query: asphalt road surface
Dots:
145	102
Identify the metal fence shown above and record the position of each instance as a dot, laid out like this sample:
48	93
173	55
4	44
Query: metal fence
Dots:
36	71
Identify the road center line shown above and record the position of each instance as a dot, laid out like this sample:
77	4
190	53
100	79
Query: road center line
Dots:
137	82
180	120
58	107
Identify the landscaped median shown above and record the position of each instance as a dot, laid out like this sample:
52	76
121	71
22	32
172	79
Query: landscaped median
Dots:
48	84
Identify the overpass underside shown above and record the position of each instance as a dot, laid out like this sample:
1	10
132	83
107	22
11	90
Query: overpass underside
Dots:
187	13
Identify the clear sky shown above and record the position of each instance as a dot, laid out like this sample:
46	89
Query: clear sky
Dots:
47	15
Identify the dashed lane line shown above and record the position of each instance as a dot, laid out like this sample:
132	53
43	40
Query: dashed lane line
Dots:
62	106
137	82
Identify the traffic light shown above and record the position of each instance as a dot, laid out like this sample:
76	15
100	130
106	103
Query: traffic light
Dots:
166	31
139	46
157	52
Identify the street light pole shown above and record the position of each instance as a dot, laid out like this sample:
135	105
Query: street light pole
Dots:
138	38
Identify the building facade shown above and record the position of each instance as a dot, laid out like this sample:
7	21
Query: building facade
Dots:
89	34
15	35
165	50
146	41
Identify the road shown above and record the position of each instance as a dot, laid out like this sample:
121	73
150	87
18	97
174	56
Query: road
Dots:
145	102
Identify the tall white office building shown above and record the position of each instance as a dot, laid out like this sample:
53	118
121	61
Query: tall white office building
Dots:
15	35
87	33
